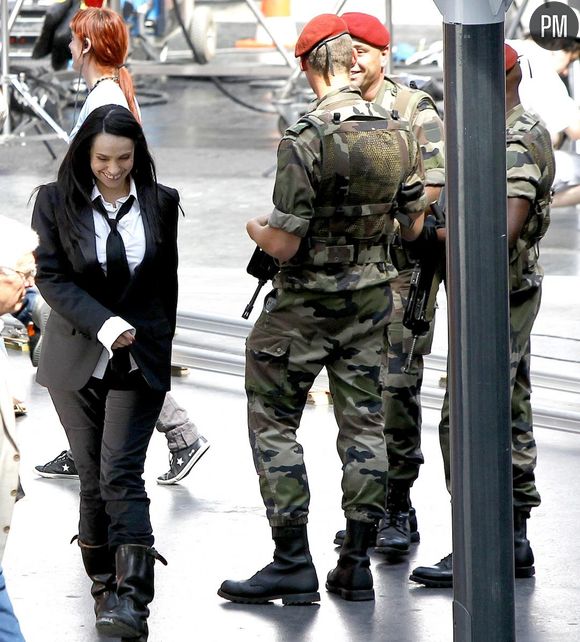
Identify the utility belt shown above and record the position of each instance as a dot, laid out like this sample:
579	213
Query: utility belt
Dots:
325	252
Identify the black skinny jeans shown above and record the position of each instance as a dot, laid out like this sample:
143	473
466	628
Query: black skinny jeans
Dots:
109	424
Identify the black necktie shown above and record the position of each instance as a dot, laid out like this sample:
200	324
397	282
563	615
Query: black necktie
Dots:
118	274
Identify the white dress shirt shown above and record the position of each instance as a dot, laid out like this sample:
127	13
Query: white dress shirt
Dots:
132	232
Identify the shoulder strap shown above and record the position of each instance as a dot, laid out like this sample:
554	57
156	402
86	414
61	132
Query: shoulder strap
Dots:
408	101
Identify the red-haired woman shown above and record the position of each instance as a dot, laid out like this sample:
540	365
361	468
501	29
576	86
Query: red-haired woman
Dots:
99	46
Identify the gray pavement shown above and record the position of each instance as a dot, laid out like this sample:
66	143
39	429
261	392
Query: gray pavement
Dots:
212	525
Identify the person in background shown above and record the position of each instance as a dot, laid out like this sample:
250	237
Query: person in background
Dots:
544	93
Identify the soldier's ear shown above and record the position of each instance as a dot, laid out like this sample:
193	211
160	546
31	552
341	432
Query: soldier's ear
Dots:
303	63
384	57
354	57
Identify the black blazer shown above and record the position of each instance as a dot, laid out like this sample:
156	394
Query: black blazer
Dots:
73	284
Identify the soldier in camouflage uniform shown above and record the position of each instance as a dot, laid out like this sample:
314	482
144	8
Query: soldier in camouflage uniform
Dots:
339	170
530	174
401	391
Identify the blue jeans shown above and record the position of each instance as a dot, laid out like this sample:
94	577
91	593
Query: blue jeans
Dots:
9	627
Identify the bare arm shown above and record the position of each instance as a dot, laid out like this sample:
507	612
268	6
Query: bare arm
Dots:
518	210
278	243
412	231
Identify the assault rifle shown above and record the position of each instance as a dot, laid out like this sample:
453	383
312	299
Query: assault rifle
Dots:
263	267
427	249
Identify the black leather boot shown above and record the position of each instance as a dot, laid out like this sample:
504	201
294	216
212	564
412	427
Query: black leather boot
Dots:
439	575
135	590
523	554
352	578
394	532
291	577
99	563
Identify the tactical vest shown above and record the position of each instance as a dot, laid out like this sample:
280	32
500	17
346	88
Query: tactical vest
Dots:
363	160
537	142
408	101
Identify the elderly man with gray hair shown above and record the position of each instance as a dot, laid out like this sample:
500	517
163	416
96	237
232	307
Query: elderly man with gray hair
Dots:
17	270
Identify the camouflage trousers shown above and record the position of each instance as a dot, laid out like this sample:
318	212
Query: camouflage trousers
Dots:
523	312
296	335
402	390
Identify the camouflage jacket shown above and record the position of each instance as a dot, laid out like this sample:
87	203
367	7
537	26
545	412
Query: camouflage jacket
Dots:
418	109
530	173
306	188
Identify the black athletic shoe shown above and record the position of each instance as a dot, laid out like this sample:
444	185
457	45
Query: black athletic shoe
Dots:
182	461
61	467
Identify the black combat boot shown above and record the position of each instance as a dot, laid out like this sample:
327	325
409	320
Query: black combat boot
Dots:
439	575
394	532
291	577
340	535
415	536
99	563
352	578
523	554
135	591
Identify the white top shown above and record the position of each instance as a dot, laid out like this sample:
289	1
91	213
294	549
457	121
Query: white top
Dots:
106	92
542	91
132	232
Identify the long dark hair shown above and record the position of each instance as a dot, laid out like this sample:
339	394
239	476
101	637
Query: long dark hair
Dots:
76	179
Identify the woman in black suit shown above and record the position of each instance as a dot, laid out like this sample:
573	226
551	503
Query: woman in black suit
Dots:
107	266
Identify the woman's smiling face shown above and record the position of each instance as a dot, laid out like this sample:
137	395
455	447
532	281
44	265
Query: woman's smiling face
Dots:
112	160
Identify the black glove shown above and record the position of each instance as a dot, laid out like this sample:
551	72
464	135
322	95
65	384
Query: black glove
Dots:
408	193
426	243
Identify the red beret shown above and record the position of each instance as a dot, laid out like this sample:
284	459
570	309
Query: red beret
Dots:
319	29
361	26
511	57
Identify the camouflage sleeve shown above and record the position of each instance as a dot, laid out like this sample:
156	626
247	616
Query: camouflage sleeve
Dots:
415	181
428	128
297	177
523	175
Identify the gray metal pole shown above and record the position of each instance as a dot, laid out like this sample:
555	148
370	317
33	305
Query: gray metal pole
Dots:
389	23
479	356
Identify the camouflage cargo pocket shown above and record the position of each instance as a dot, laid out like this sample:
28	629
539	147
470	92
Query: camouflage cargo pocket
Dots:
267	363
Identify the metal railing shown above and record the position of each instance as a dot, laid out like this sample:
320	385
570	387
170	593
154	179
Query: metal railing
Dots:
216	344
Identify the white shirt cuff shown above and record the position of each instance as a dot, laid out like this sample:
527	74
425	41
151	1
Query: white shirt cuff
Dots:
110	330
